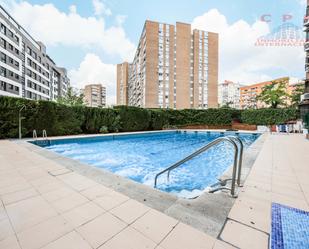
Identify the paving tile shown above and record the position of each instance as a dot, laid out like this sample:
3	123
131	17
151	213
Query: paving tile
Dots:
184	237
76	181
252	212
243	236
130	210
95	192
69	202
29	212
44	233
14	187
129	239
82	214
19	195
3	214
70	241
101	229
223	245
111	200
9	243
155	225
6	229
57	193
299	203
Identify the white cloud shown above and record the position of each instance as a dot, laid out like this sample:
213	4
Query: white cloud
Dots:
100	8
54	27
92	70
239	59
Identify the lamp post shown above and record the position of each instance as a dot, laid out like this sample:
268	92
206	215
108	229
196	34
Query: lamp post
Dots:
19	120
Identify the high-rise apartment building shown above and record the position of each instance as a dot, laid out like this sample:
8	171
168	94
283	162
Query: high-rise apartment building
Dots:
229	94
95	95
173	67
26	70
122	83
248	94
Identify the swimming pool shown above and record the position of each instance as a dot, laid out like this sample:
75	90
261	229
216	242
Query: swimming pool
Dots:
141	156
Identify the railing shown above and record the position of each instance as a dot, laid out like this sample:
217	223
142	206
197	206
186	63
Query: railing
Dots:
34	134
44	134
236	165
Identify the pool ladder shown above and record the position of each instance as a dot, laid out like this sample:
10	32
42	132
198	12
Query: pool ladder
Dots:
237	164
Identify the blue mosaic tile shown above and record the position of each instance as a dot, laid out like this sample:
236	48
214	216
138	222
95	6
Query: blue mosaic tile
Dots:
289	227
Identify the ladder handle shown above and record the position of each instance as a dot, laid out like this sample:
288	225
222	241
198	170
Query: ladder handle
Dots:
201	150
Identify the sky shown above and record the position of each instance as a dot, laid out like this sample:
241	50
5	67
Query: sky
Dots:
89	37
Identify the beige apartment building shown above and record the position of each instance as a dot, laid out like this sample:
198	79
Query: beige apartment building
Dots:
95	95
173	67
122	83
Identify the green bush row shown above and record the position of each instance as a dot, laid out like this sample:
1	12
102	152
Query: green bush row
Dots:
268	116
59	119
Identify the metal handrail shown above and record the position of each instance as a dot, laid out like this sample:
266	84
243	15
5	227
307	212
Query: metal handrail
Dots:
34	134
240	158
201	150
44	134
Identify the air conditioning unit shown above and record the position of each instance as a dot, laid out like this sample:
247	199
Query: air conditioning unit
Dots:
304	97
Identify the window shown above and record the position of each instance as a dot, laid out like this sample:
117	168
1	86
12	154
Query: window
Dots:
16	51
10	47
28	50
3	57
2	71
3	29
3	43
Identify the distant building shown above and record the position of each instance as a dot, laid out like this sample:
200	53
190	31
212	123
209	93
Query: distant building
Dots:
174	67
95	95
26	71
229	94
248	94
122	83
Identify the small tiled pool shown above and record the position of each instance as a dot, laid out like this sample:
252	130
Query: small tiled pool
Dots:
141	156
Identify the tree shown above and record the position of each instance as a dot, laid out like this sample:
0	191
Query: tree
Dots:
296	93
274	95
71	98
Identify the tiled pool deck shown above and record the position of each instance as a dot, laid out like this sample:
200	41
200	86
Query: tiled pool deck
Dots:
44	205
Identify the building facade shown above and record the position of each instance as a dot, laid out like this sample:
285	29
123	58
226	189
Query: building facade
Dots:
26	70
95	95
229	94
304	105
248	94
122	83
173	67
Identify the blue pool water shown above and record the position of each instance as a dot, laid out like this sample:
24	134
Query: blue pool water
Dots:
141	156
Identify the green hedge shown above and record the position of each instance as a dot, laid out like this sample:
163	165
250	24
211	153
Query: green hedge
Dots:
268	116
59	119
307	120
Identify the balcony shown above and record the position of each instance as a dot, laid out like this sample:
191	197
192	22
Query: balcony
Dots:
306	21
307	67
306	46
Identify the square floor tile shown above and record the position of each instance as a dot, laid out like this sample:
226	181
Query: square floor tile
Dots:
111	200
184	237
243	236
44	233
130	210
101	229
155	225
9	243
19	195
129	239
95	192
6	229
69	202
82	214
70	241
29	212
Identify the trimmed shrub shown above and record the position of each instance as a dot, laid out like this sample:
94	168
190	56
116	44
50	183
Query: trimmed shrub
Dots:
268	116
133	118
58	119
